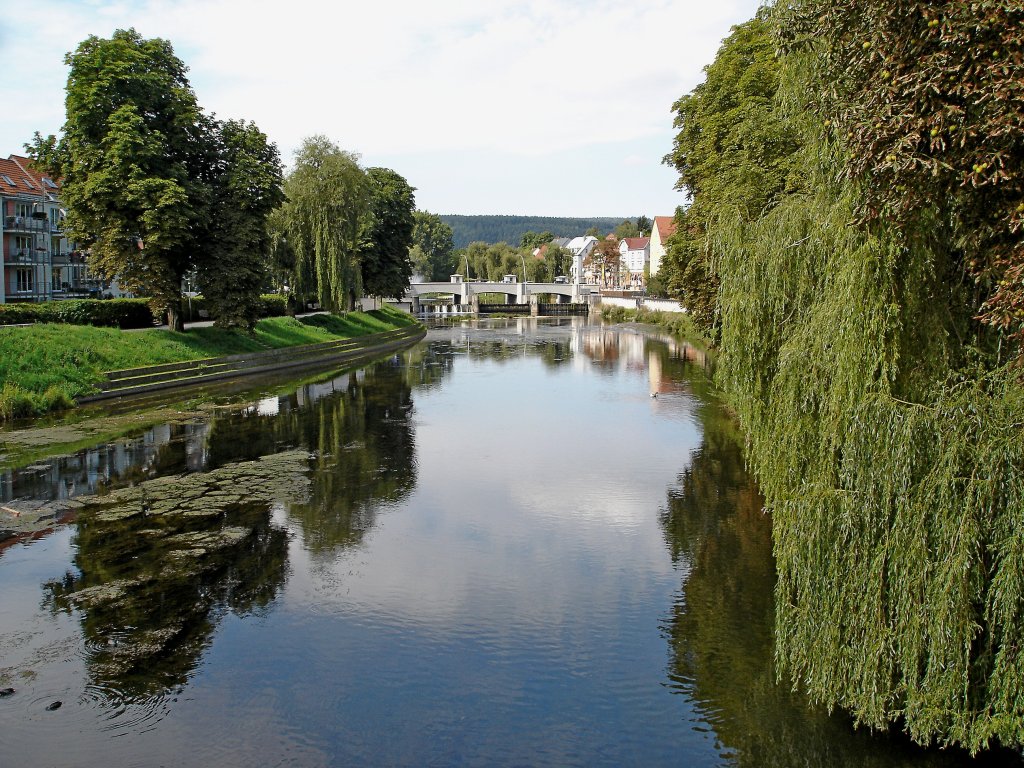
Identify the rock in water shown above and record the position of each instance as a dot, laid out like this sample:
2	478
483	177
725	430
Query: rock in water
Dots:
53	706
5	692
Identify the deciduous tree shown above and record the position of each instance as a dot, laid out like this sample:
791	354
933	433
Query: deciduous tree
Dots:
326	212
433	239
246	185
384	259
133	155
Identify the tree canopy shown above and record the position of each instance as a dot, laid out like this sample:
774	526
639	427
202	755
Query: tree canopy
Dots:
384	259
132	157
325	213
154	188
731	151
432	246
883	421
927	98
246	183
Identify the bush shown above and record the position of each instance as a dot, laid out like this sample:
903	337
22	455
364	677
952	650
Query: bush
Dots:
15	403
113	313
110	313
274	305
14	314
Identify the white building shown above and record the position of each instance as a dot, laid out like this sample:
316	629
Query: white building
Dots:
580	247
634	253
664	227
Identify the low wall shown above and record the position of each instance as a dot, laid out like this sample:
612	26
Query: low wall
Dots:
655	305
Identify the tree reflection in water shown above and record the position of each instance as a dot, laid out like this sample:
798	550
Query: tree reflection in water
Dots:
160	563
721	634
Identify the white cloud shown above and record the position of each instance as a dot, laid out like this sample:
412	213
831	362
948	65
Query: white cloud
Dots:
392	77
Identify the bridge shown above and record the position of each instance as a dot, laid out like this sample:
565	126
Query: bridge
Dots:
467	294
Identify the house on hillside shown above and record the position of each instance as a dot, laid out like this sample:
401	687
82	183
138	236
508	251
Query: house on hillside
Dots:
634	253
664	227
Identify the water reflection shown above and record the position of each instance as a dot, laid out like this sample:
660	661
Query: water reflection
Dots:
511	607
162	556
721	627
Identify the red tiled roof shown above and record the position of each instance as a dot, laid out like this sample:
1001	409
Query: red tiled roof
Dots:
665	225
637	243
20	170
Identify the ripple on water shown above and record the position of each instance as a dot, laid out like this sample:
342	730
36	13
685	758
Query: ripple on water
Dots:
121	712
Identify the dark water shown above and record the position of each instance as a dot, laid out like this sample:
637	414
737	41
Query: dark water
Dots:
498	549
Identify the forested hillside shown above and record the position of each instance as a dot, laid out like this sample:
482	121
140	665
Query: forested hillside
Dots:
508	229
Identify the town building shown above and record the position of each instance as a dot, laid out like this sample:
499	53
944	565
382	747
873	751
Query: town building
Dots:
581	247
39	264
634	253
664	227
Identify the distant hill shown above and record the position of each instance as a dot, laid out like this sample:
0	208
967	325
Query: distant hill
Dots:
509	229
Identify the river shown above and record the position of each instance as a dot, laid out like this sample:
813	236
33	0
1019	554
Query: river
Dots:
521	542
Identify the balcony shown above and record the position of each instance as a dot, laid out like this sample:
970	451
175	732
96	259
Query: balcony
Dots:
25	256
26	224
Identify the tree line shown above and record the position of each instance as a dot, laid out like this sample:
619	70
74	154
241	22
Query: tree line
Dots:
156	190
510	229
855	246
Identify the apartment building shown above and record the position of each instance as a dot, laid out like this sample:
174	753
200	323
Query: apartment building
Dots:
39	264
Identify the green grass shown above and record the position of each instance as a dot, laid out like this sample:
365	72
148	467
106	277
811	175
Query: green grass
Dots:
44	367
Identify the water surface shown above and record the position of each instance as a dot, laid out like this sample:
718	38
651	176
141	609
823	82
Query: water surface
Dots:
522	542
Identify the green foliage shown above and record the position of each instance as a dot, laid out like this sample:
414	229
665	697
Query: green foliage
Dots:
493	262
131	159
732	151
328	203
384	258
676	323
510	229
888	440
114	313
626	229
247	187
533	239
431	254
926	96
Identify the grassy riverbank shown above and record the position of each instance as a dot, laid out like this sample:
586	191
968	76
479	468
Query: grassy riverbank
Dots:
44	367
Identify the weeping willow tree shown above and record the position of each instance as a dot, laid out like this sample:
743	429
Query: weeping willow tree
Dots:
325	215
886	430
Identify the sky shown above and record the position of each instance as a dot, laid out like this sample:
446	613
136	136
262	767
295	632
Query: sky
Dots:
530	107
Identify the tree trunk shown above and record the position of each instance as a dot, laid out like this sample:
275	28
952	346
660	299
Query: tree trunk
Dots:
175	320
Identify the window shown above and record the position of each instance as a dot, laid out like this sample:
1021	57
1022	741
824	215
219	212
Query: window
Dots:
28	183
49	183
23	280
7	179
22	245
54	217
56	279
22	209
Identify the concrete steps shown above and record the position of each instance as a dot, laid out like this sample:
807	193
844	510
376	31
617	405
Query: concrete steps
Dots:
153	378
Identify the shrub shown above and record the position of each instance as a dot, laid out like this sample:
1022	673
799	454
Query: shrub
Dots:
274	305
113	313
